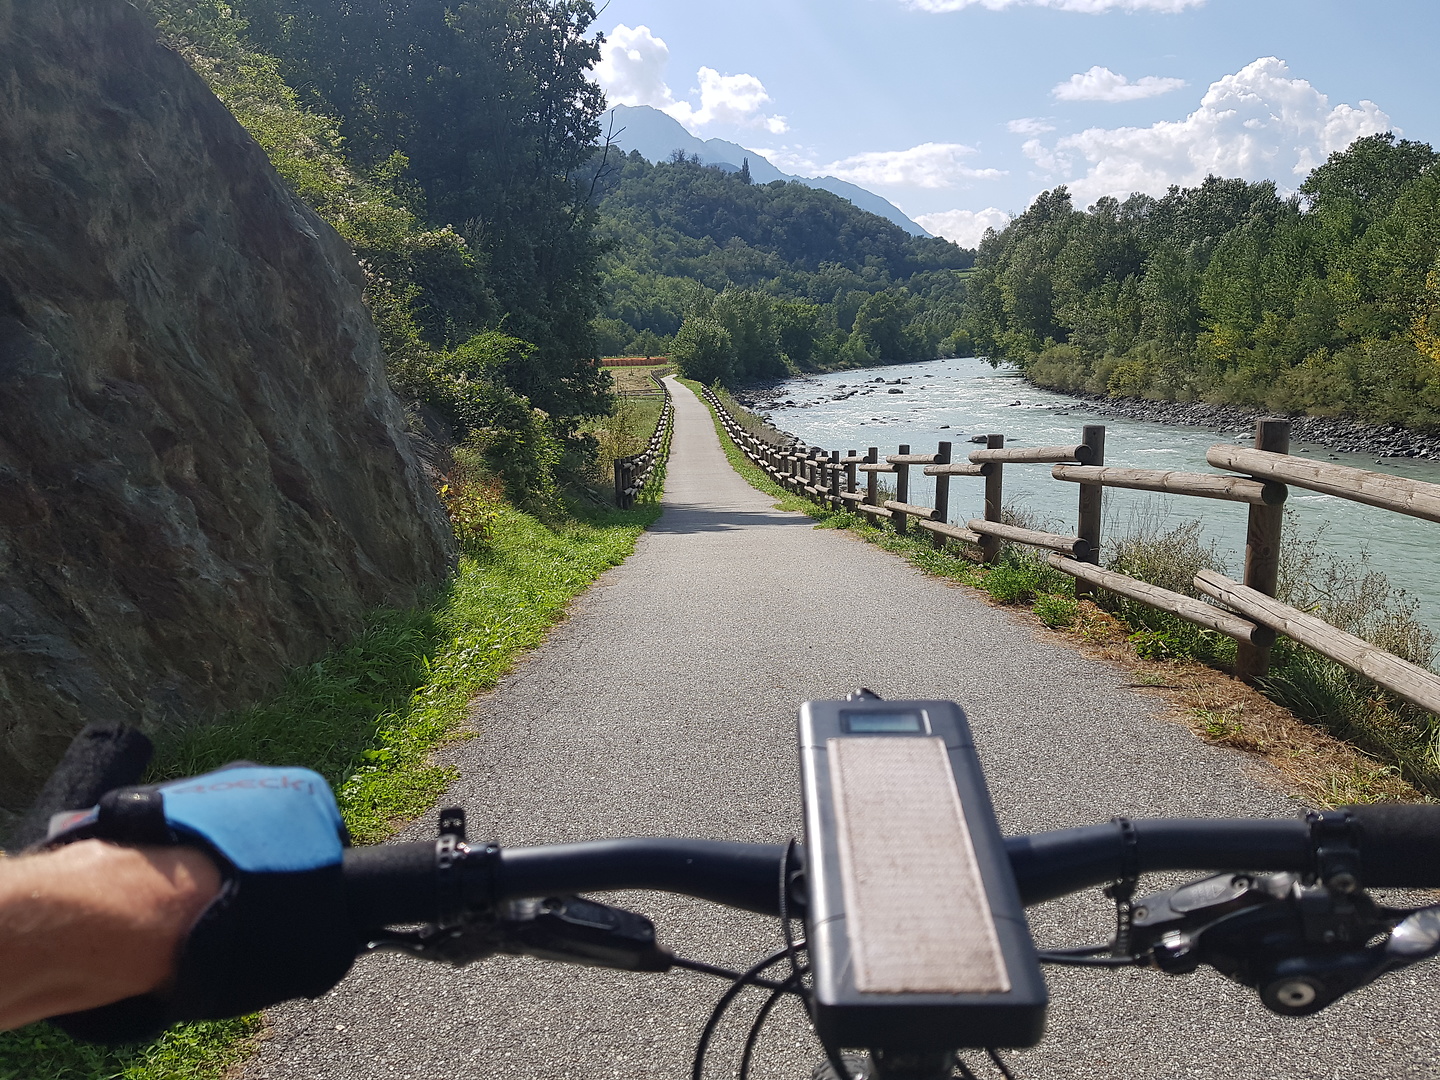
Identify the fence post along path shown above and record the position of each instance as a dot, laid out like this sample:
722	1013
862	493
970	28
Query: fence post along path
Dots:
1091	505
1262	547
634	472
1265	470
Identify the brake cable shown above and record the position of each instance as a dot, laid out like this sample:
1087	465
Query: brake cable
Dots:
697	1069
789	985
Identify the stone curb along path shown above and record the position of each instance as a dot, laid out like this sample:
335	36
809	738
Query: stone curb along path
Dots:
665	705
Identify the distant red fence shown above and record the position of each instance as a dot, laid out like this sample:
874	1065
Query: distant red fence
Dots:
634	361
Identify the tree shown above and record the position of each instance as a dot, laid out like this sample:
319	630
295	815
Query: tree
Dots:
490	102
882	324
703	350
1360	184
745	172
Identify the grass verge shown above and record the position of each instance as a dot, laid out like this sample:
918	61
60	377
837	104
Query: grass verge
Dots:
1333	739
367	717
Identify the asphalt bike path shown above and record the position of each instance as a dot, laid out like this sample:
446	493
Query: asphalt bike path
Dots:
665	705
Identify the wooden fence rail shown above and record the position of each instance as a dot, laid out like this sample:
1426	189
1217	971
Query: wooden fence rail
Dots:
1246	611
633	473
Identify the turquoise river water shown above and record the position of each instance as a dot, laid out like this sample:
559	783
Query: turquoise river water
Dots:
972	398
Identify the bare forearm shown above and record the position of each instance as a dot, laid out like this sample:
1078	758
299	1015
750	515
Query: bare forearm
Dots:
92	923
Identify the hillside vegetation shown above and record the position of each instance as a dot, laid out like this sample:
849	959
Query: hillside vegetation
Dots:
447	152
1325	302
742	280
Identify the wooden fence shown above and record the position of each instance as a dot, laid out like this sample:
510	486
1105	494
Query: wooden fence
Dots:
657	389
633	473
1245	610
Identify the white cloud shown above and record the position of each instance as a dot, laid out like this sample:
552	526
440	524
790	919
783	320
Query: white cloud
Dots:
1258	123
964	227
632	72
632	68
929	165
1102	84
1087	7
1030	125
728	99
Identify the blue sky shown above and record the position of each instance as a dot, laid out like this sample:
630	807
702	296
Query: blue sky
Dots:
961	111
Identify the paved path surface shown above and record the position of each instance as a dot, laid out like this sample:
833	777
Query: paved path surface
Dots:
665	705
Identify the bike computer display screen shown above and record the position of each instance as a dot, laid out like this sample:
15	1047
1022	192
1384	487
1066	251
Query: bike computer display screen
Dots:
881	723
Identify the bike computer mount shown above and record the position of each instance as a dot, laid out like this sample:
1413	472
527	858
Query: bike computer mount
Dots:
917	935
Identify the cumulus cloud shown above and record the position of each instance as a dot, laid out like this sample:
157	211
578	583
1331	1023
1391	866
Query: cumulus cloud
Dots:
632	72
728	99
929	165
1087	7
632	68
1258	123
1030	125
1102	84
964	227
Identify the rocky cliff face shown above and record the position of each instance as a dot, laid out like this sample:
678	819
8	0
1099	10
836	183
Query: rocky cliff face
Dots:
204	477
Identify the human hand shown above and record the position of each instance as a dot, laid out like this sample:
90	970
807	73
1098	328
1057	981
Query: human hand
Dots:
276	928
93	923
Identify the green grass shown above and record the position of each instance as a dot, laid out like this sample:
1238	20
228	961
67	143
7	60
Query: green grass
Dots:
622	433
367	716
187	1052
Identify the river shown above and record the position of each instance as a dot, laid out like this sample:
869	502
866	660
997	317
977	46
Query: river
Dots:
952	400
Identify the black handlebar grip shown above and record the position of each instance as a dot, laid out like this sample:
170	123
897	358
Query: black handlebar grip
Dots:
1399	845
100	758
391	883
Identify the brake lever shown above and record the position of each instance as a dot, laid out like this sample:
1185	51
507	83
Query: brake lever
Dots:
567	929
1415	938
1301	944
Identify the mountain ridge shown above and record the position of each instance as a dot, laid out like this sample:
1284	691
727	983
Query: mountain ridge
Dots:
657	135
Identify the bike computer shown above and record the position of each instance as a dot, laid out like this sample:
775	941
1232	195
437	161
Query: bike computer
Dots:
916	932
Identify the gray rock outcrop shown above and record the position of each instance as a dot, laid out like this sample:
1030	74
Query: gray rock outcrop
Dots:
204	476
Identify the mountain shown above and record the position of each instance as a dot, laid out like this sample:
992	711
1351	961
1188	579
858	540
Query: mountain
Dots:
657	135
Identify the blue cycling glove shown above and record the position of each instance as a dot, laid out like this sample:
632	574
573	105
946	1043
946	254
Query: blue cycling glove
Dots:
277	929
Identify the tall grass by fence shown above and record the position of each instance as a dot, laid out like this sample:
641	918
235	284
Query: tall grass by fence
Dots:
634	473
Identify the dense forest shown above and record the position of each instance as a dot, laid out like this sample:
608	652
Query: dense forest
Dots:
448	147
1325	302
742	280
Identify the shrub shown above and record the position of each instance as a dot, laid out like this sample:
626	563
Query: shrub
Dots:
1169	558
1057	612
1012	583
1349	594
473	498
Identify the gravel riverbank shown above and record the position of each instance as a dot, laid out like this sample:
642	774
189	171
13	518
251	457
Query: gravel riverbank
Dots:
1339	433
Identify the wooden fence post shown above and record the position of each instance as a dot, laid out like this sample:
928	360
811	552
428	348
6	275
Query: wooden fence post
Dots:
872	479
835	500
1262	547
994	498
850	473
902	490
1091	502
942	495
619	483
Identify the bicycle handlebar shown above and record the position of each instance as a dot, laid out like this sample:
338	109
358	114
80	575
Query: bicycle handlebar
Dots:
395	883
